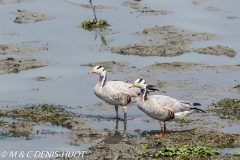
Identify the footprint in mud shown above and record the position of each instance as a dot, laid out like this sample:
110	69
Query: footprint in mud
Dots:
39	78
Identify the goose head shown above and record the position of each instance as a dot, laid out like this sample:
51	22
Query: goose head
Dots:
98	70
139	83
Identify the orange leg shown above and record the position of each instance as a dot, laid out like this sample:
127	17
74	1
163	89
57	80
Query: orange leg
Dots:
163	129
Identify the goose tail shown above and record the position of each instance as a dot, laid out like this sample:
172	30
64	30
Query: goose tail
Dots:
198	110
151	88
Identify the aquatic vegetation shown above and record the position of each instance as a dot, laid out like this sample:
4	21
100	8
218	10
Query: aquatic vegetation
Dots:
185	121
237	86
145	145
92	24
145	31
54	114
237	153
2	122
185	151
9	59
227	108
201	137
5	134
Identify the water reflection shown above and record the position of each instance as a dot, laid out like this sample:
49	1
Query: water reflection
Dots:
117	136
104	42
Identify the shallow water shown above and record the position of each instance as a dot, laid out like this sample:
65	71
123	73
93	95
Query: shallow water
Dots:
71	46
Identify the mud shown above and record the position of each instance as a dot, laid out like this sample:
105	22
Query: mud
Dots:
226	108
185	80
11	34
97	6
217	50
187	67
19	50
22	127
101	106
39	78
213	9
166	41
177	85
135	5
24	16
154	12
171	68
198	2
81	131
145	9
130	147
13	65
110	66
232	17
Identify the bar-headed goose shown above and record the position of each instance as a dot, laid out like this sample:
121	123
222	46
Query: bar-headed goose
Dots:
115	92
163	108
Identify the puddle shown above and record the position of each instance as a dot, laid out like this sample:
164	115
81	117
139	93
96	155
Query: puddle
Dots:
228	151
235	129
7	119
51	128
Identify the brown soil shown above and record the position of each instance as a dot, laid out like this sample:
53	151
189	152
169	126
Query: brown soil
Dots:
39	78
24	16
198	2
145	9
217	50
232	17
154	12
25	127
214	9
167	41
18	50
12	65
130	147
108	65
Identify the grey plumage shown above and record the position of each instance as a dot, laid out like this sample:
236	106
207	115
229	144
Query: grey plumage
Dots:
163	108
113	92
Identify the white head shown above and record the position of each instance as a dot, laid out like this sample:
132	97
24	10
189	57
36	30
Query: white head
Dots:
98	70
139	83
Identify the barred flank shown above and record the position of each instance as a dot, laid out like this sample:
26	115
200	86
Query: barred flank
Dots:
126	98
170	113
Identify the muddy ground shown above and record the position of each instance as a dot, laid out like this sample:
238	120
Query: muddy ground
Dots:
171	41
19	50
24	16
144	9
197	131
12	65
